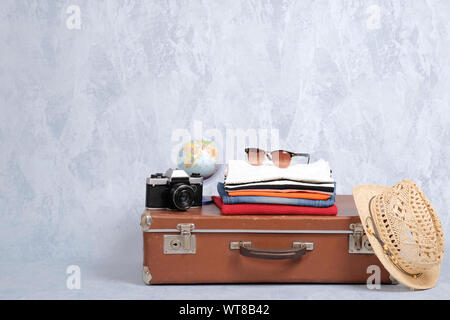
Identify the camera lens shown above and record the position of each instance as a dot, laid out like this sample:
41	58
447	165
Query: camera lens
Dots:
182	196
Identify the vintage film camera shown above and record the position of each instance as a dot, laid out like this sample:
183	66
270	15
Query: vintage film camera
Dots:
174	190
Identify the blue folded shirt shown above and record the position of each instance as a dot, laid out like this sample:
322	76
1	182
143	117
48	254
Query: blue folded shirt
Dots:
275	200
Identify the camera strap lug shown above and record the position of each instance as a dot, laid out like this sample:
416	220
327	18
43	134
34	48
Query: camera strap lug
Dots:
184	243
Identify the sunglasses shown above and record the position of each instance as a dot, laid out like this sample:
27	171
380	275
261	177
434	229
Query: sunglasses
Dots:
280	158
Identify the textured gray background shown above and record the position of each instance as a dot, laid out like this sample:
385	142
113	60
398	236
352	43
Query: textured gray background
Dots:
87	114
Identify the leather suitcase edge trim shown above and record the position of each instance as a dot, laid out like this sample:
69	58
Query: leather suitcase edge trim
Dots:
252	231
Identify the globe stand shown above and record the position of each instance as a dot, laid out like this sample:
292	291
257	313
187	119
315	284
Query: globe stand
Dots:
207	200
219	172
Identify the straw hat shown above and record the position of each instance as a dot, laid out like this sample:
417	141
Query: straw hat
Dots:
404	230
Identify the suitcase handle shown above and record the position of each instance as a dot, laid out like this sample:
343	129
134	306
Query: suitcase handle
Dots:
272	254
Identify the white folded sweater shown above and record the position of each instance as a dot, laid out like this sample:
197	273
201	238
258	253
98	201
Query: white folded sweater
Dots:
239	171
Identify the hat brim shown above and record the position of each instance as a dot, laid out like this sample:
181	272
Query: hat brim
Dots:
362	195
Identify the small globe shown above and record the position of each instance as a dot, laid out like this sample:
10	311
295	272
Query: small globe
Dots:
199	156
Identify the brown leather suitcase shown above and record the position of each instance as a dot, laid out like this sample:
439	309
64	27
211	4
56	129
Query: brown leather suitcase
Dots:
203	246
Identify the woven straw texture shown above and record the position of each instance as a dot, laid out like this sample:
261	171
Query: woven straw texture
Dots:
409	226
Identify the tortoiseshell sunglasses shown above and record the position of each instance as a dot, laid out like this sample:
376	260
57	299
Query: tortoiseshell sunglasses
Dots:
280	158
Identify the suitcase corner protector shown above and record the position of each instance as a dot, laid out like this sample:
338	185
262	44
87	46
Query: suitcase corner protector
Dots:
393	280
146	221
146	275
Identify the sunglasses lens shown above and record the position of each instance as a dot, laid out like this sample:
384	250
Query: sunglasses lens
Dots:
281	159
255	156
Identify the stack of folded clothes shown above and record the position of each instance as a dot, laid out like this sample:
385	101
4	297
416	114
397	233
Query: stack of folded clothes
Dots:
305	189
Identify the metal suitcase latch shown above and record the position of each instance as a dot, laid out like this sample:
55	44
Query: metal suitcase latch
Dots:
357	241
183	243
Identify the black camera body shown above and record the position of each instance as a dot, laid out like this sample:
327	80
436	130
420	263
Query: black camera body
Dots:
174	190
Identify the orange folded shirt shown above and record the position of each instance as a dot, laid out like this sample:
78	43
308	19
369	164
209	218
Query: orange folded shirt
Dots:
297	195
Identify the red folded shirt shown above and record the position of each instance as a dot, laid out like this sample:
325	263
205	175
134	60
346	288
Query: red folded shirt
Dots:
256	208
